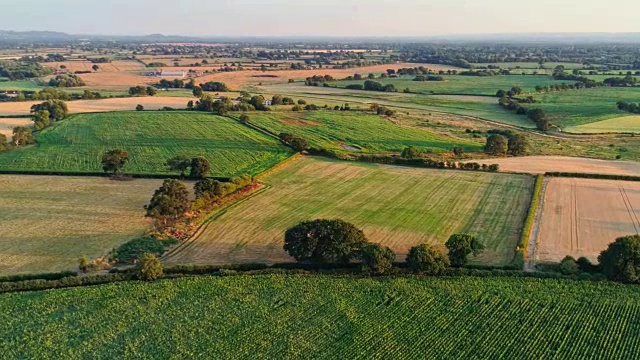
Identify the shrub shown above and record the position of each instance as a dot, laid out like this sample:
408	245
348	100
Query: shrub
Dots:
427	259
149	267
139	107
569	266
411	152
377	258
128	252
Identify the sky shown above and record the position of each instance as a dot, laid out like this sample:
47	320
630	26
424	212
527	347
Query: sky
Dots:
319	17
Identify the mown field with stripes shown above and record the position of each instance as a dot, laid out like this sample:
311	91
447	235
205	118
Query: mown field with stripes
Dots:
76	144
397	206
288	316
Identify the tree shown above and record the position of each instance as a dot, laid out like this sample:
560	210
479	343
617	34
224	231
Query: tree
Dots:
517	144
179	163
244	118
4	144
149	267
302	102
460	246
621	260
150	91
276	100
411	152
425	258
569	266
457	151
496	145
83	264
199	167
299	144
197	91
114	160
190	105
41	119
170	201
22	135
57	109
379	259
324	241
95	67
139	107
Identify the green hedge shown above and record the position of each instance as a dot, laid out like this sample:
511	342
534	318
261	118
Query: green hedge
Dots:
523	243
41	276
72	281
594	176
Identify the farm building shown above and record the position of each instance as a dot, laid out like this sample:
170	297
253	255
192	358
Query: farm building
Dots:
179	74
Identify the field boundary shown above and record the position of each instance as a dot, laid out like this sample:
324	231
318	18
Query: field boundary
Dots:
522	250
593	176
532	247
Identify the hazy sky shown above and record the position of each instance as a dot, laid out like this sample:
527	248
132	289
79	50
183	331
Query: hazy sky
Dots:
319	17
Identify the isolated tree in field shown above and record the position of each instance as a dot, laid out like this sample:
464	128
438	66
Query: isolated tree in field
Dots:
621	260
302	102
149	267
139	107
200	167
22	135
41	119
324	241
425	258
179	163
95	67
411	152
460	246
379	259
197	91
114	160
517	144
496	145
170	201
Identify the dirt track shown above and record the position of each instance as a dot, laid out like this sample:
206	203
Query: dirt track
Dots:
582	216
542	164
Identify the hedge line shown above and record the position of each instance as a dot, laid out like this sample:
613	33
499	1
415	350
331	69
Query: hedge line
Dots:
523	243
594	176
71	281
42	276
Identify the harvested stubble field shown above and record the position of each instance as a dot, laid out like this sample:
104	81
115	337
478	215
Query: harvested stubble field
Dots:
76	144
7	124
49	222
582	216
357	131
544	164
102	105
291	317
86	65
397	206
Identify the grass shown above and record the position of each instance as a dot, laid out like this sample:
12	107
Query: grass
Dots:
22	85
397	206
76	144
49	222
356	131
296	316
463	85
627	124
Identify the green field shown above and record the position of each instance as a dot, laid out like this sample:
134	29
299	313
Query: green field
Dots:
324	317
463	85
77	143
530	65
353	131
22	85
630	124
49	222
398	206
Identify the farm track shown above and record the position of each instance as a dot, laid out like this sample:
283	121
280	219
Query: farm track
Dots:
530	256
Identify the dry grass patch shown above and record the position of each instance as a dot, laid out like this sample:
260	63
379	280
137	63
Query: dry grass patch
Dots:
7	124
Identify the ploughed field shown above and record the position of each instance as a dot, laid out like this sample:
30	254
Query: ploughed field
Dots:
397	206
581	217
346	131
280	316
49	222
76	144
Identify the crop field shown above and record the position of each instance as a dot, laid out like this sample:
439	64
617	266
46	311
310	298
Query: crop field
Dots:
15	85
7	124
356	132
626	124
543	164
464	85
102	105
396	206
280	316
85	65
49	222
582	216
531	65
76	144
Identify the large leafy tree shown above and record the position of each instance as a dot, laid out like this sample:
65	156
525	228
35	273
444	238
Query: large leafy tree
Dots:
170	201
621	260
517	144
427	259
22	135
460	246
114	160
200	167
57	109
324	241
179	163
41	119
496	145
379	259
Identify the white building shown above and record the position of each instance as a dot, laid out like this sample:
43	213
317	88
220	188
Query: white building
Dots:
174	74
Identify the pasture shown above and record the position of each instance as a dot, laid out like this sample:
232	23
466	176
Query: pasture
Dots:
349	131
397	206
625	124
49	222
319	316
20	85
582	216
76	144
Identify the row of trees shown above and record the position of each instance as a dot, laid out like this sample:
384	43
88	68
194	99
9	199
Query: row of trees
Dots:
66	80
629	107
339	242
142	91
537	115
504	143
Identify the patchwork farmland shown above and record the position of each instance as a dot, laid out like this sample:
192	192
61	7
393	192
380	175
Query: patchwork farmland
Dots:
49	222
582	216
398	207
76	144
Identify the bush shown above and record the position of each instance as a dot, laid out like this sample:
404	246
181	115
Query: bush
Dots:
377	258
139	107
569	266
425	258
149	267
128	252
324	241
